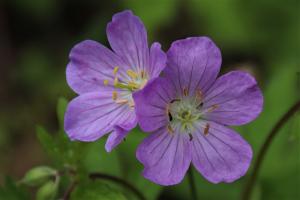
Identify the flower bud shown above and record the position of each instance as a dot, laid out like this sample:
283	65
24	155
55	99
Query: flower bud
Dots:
38	175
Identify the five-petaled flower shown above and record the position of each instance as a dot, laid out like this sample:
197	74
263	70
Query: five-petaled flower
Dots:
106	80
187	112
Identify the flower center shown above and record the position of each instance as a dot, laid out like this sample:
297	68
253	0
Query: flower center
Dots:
185	112
129	82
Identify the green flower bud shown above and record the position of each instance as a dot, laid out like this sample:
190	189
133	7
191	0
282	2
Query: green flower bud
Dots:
47	191
38	175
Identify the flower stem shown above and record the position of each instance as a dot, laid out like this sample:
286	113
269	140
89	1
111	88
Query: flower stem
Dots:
246	195
70	189
120	181
192	184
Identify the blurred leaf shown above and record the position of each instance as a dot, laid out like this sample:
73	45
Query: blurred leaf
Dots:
95	190
132	168
164	12
46	141
61	108
47	191
10	191
38	175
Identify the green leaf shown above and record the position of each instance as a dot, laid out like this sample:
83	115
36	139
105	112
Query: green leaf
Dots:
132	168
10	191
60	109
95	190
38	175
48	190
46	141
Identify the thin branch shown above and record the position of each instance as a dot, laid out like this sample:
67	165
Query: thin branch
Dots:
70	189
118	181
192	184
257	165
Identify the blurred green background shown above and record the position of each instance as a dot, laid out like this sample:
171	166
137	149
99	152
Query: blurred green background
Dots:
258	36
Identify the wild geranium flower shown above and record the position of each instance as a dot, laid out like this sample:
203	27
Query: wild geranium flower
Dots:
105	80
187	112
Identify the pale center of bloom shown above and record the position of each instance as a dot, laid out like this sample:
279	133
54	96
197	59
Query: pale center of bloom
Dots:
129	82
185	112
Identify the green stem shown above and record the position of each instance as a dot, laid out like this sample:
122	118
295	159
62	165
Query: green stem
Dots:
246	195
192	184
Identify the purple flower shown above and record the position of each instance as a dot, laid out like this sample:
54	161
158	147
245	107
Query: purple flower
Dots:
187	112
106	80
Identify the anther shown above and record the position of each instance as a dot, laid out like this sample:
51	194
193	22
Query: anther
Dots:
105	82
199	95
114	95
133	85
116	81
121	101
173	100
185	92
206	129
170	129
131	104
143	74
116	69
132	74
212	108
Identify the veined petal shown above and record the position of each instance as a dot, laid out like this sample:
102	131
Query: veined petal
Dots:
92	115
90	64
166	157
119	133
238	99
193	63
151	104
158	60
221	155
128	38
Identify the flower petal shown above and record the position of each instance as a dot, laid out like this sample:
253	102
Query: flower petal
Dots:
92	115
128	38
151	104
158	60
193	63
90	64
238	99
119	133
166	157
222	155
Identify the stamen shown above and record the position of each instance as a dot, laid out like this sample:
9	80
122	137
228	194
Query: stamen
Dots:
116	81
173	100
116	69
170	129
212	108
206	129
143	74
105	82
133	85
132	74
121	101
131	104
185	92
114	95
170	116
199	95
